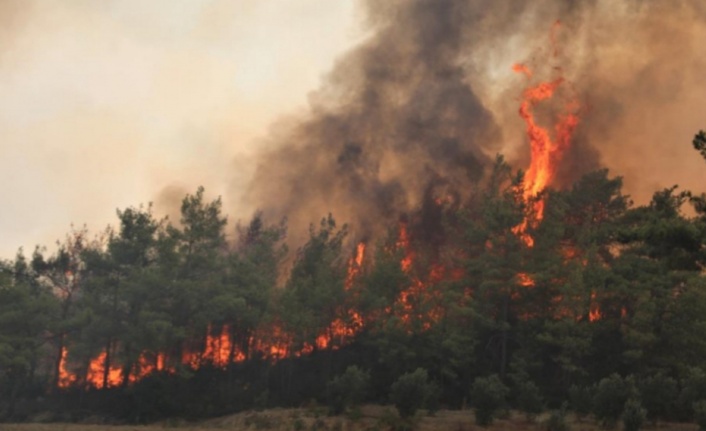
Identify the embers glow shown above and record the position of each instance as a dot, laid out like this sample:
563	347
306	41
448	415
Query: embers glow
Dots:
594	312
417	303
97	376
66	378
341	331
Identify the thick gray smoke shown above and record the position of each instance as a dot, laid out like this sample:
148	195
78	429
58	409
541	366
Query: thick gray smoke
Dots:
395	116
428	99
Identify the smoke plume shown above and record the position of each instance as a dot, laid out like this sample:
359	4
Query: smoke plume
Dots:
421	106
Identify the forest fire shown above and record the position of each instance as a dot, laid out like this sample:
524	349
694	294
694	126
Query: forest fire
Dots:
417	306
66	378
99	376
546	151
341	330
219	349
389	237
594	313
416	303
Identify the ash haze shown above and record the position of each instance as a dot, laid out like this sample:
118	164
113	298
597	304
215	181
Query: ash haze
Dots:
111	104
300	107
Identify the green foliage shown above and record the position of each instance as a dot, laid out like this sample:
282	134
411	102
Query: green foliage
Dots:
693	389
389	420
611	395
658	394
581	400
315	291
633	415
298	424
411	392
488	394
557	420
488	303
347	390
25	317
529	399
699	408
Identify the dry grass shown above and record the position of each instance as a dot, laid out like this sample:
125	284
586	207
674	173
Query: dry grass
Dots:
372	418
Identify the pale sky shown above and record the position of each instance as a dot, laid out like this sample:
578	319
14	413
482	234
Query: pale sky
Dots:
105	103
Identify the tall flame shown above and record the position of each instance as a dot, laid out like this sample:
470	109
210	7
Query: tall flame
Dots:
340	329
66	378
546	150
96	372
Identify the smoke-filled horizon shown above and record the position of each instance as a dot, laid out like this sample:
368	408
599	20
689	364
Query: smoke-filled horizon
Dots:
416	108
115	103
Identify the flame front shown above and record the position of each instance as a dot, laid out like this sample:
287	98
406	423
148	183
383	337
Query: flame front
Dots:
546	151
66	378
97	373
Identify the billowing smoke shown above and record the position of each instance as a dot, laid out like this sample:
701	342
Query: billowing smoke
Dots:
423	104
396	116
640	67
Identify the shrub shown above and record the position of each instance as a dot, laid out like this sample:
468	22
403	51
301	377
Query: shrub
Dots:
658	395
557	420
633	415
693	391
699	408
259	421
390	421
611	395
581	400
488	394
411	392
348	389
529	400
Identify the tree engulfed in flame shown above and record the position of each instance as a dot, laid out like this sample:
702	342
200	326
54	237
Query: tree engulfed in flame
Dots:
546	151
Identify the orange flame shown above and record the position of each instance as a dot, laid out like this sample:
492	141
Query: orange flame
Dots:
96	371
546	151
418	294
66	378
594	312
217	350
339	329
270	340
524	280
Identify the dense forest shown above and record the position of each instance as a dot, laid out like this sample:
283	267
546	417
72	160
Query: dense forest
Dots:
472	301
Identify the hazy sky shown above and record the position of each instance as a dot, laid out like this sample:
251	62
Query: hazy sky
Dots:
105	103
113	103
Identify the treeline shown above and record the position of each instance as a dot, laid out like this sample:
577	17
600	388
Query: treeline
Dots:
156	319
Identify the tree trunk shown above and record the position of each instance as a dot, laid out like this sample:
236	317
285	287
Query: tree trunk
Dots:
106	365
504	337
57	363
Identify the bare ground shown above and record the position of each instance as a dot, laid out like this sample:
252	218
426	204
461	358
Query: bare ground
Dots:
371	418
